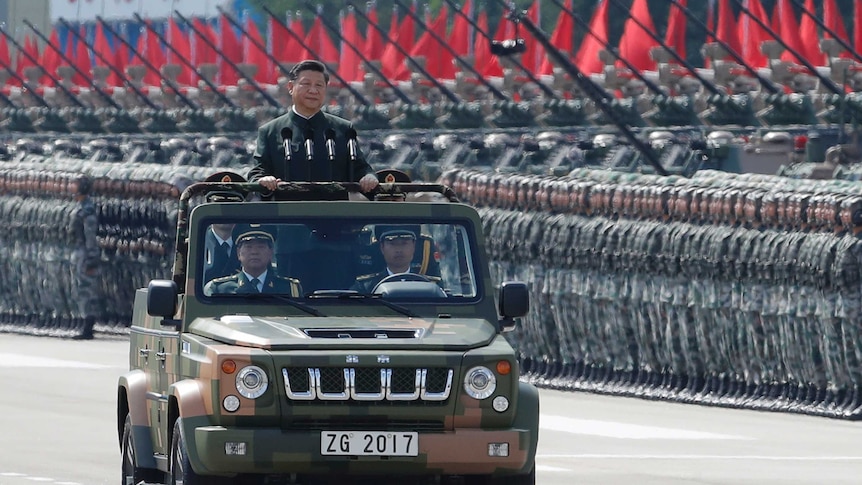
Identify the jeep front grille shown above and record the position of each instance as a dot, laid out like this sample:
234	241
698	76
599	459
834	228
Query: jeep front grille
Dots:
367	383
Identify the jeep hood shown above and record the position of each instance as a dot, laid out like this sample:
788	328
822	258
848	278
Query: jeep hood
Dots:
281	333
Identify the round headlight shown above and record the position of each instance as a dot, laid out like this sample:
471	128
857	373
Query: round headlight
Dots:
480	383
500	404
231	403
251	382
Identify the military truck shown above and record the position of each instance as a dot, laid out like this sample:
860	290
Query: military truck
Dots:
331	377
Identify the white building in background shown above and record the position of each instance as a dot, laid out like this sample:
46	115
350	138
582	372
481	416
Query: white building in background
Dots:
112	9
14	12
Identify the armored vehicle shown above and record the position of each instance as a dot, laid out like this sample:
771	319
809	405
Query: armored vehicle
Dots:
327	368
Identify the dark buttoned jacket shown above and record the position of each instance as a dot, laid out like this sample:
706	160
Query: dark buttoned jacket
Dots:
218	262
270	158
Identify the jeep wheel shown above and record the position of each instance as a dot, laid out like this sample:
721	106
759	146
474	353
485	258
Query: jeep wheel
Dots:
181	472
132	475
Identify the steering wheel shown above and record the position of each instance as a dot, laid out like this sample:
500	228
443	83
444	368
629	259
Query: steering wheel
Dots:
401	277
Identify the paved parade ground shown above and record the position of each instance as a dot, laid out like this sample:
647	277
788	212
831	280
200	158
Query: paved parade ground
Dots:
57	412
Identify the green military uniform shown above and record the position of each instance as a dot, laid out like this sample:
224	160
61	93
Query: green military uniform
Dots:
239	284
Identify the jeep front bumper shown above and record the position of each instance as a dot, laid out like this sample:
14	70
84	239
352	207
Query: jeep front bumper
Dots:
220	450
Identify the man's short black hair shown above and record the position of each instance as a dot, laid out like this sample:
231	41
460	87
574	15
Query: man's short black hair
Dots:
309	65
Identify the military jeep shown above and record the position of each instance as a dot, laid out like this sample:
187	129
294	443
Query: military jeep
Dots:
331	378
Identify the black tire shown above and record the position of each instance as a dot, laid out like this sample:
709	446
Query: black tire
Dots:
181	472
132	474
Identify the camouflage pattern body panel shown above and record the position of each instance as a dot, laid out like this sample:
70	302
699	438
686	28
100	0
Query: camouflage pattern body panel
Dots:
267	379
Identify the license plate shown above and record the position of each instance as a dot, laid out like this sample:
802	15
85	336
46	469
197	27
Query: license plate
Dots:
369	443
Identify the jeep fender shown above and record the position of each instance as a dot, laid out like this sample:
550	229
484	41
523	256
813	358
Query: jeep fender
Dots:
188	401
527	417
132	394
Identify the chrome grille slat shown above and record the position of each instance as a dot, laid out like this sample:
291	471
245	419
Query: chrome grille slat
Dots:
367	384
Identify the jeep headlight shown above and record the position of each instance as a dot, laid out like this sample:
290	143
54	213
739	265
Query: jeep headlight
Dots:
251	382
480	382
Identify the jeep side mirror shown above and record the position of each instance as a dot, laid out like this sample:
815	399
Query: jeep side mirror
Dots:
162	300
514	302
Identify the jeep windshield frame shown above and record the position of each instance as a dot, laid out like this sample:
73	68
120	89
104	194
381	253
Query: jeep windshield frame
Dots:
462	223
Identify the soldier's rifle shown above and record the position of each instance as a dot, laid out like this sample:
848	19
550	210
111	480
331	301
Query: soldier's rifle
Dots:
799	57
544	87
764	83
150	66
337	32
496	92
254	84
186	62
826	29
69	94
361	97
109	65
88	76
709	86
587	85
443	89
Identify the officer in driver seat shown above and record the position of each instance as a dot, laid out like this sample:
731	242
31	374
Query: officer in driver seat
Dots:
425	254
397	245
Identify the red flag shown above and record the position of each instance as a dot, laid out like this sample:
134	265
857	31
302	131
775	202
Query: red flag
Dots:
752	35
120	59
727	30
202	51
350	64
296	51
675	35
561	38
103	55
636	43
231	49
505	30
482	50
23	61
809	42
535	53
392	60
180	42
82	61
459	39
789	33
51	59
587	58
373	49
438	60
406	38
5	58
254	55
319	41
155	55
857	27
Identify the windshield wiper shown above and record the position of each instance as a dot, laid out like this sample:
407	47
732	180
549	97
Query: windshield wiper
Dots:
355	295
275	296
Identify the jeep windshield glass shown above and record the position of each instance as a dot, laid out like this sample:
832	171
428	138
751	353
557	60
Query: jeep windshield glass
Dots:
394	259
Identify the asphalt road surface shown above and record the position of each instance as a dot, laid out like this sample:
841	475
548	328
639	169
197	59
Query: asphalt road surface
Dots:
57	423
